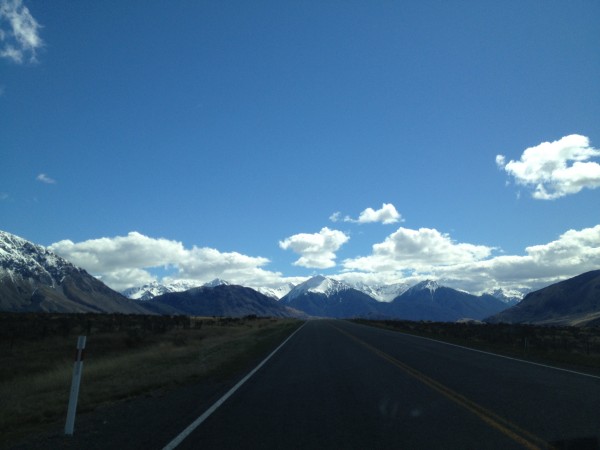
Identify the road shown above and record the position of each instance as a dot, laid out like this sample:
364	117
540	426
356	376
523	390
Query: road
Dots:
339	385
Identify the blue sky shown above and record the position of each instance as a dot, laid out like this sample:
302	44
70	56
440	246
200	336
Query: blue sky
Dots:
202	139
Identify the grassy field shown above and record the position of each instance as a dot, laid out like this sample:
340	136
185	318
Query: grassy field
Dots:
568	347
125	356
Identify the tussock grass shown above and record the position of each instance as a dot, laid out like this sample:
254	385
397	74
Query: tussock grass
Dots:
35	374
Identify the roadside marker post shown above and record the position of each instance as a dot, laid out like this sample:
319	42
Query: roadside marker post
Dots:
75	382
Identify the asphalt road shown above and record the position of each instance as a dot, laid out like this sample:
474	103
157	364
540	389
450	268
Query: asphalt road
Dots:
339	385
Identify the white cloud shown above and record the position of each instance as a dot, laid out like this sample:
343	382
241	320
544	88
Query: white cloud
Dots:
316	250
556	169
336	216
45	179
121	261
407	249
387	214
21	39
412	255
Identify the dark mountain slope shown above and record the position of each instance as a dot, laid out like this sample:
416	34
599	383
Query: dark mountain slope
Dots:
324	297
222	301
33	278
575	301
429	301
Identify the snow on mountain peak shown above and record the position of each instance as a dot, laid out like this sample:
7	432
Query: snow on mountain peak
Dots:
276	292
216	282
429	285
510	296
319	285
29	260
381	292
154	289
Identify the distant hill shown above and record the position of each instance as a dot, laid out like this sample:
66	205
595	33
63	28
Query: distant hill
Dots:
35	279
575	301
221	300
429	301
324	297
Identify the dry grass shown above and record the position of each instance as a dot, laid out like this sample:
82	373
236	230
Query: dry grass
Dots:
35	375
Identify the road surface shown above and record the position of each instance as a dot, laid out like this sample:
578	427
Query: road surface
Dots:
339	385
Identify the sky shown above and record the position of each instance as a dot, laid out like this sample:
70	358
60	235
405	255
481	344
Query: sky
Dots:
265	142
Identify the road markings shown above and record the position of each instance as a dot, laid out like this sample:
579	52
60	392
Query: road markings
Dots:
196	423
509	429
501	356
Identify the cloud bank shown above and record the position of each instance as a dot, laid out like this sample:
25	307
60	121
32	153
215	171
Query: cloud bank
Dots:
406	256
421	249
316	250
412	255
123	261
556	169
19	32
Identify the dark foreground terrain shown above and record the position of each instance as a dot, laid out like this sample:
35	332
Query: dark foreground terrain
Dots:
337	384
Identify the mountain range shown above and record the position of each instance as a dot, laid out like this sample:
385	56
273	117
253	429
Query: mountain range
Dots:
32	278
430	301
223	300
324	297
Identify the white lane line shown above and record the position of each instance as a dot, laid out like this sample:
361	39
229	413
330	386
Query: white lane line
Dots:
502	356
196	423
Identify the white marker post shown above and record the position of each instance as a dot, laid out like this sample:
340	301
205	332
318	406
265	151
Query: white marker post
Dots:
76	380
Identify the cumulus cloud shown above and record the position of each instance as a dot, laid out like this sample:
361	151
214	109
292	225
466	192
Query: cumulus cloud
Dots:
387	214
556	169
42	177
412	255
316	250
408	249
19	32
123	261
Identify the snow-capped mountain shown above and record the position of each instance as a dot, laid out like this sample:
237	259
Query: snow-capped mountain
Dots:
216	282
427	285
154	289
428	300
381	292
224	300
318	285
276	292
325	297
32	278
509	296
21	258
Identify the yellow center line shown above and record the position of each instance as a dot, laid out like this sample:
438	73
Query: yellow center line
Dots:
509	429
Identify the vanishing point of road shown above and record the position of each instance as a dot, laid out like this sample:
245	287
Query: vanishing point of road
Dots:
339	385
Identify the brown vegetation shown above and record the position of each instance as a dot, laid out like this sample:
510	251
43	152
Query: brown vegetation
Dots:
126	355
